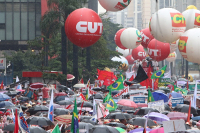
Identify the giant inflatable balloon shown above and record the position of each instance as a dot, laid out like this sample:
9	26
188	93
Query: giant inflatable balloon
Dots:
173	46
123	60
192	18
117	38
191	7
83	27
167	25
146	37
139	53
157	50
114	5
130	59
131	38
172	57
124	52
189	45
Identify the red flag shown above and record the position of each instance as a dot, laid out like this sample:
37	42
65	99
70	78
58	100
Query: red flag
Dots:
189	111
16	130
80	111
102	75
2	84
149	81
144	131
108	82
156	84
131	79
81	81
82	97
68	106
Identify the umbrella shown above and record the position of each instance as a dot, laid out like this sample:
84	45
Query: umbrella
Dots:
193	131
65	102
103	129
22	106
40	121
96	96
175	95
12	108
128	103
60	94
140	105
158	130
158	117
166	90
4	97
89	121
190	92
121	130
70	92
79	85
176	116
82	125
160	96
23	98
167	108
11	93
61	111
70	77
140	130
165	112
37	108
144	111
6	103
85	104
55	106
9	127
118	115
97	89
36	85
140	121
116	124
85	117
184	108
59	98
64	119
37	130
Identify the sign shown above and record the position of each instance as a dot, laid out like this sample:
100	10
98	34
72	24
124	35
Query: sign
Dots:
2	63
174	126
176	101
164	81
139	99
159	105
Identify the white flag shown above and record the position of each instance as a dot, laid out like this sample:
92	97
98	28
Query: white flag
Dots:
167	75
17	79
195	94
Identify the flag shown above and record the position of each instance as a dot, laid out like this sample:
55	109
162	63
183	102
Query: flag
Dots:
2	84
99	112
51	110
82	97
16	130
104	110
149	84
159	73
195	93
125	90
129	75
74	124
19	86
88	84
81	81
150	96
111	105
96	83
56	129
167	75
80	111
22	122
189	113
117	85
94	107
102	75
108	82
145	126
17	79
107	98
156	84
187	86
13	116
141	76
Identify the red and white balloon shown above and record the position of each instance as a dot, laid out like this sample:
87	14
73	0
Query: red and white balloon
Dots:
146	37
139	53
157	50
172	57
114	5
117	38
167	25
173	46
130	59
83	27
124	52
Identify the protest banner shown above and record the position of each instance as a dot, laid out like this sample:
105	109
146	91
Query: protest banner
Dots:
139	99
176	101
174	126
159	105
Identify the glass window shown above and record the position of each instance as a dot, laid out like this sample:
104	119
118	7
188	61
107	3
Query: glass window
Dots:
24	22
16	25
9	26
31	25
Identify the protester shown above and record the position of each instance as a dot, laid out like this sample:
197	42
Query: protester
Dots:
28	93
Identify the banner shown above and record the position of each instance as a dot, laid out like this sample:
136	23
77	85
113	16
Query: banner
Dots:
164	81
139	99
176	101
159	105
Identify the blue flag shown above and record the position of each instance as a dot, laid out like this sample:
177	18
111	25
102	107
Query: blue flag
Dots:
50	113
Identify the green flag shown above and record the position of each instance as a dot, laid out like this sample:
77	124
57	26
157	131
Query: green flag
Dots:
150	96
111	105
87	94
117	85
159	73
183	91
56	129
74	124
107	98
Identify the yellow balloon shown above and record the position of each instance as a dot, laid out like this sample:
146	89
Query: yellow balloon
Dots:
191	7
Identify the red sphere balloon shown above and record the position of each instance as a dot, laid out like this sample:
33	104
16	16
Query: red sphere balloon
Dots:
146	37
157	50
130	59
117	38
139	53
83	27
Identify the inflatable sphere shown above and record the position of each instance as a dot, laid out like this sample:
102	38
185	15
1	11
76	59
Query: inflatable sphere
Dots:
157	50
114	5
173	46
167	25
189	45
131	38
124	63
130	59
191	7
146	37
117	39
192	18
83	27
139	53
172	57
124	52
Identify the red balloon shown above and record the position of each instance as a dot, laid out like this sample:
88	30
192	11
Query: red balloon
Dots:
146	37
139	53
157	50
83	27
130	59
117	38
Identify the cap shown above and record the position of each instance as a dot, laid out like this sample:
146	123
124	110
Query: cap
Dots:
44	102
28	105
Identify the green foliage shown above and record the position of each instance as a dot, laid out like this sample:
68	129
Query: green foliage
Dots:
52	77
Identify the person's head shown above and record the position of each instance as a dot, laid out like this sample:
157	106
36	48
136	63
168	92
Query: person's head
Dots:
44	103
40	90
34	91
28	89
